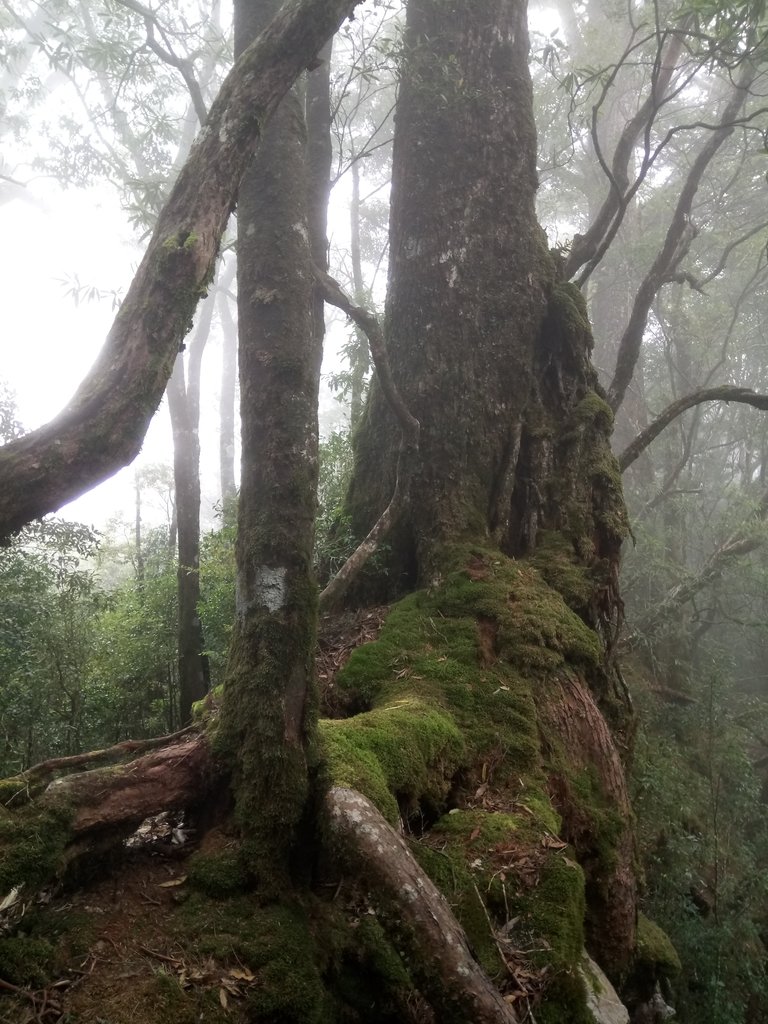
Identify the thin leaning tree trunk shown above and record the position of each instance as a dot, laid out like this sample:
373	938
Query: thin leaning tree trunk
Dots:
103	426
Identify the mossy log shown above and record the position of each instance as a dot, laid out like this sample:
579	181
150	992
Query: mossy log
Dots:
88	812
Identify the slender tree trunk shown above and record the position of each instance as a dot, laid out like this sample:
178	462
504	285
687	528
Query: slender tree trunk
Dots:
227	401
360	364
269	714
186	475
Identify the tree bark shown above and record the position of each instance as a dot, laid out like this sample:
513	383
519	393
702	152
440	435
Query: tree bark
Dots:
454	983
102	427
186	476
469	271
269	712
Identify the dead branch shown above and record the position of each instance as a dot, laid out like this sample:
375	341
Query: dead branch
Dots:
418	913
172	778
409	441
673	248
741	542
724	393
38	773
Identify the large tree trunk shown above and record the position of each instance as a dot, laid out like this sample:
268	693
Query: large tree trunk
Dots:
483	710
490	349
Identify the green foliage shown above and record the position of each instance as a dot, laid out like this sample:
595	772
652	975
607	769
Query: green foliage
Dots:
217	592
703	832
49	602
333	539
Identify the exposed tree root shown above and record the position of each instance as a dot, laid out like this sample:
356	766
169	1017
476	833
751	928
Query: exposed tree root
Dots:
448	974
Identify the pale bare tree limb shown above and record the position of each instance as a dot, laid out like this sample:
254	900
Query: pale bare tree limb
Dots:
419	915
409	442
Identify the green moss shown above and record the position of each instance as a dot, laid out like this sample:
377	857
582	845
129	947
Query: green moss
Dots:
654	948
275	942
568	311
554	911
593	410
449	870
25	961
561	568
32	842
406	748
564	1001
381	954
218	874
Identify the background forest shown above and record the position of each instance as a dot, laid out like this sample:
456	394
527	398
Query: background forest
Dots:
652	124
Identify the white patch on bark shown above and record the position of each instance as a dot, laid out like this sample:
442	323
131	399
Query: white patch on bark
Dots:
268	590
269	587
250	230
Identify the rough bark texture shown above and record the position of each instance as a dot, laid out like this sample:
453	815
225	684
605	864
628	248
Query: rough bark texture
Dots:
102	428
469	269
571	720
490	348
437	948
269	712
175	777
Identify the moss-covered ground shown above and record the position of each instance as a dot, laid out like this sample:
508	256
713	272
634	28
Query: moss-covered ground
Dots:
449	742
446	740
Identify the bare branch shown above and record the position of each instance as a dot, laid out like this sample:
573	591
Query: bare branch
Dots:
674	247
183	65
724	393
409	443
421	917
741	542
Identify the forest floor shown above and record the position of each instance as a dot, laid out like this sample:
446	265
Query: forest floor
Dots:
119	948
122	953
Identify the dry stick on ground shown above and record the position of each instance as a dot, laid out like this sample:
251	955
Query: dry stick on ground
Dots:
103	426
724	393
409	443
455	984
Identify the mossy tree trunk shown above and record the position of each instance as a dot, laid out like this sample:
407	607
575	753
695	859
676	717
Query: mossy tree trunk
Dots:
269	711
490	348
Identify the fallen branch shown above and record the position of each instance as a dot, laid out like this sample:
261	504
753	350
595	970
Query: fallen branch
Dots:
171	778
454	983
45	769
